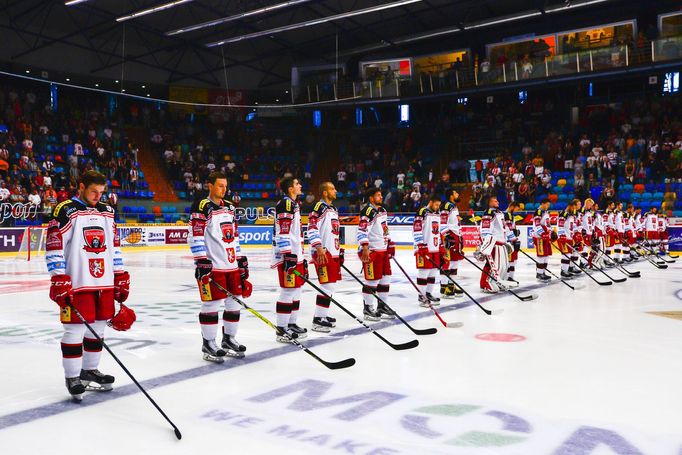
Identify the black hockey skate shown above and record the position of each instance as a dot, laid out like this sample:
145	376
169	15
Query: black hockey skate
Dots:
370	314
384	311
212	353
542	277
432	299
285	335
321	325
75	388
331	320
102	382
574	270
298	330
566	274
232	347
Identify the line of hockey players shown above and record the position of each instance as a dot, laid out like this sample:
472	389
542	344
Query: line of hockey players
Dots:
87	270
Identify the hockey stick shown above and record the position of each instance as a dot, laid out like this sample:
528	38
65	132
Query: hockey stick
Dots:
397	347
331	365
601	269
523	298
657	255
577	264
618	266
446	324
450	325
130	375
430	331
647	255
553	274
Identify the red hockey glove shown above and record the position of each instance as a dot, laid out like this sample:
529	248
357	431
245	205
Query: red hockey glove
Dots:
247	288
243	264
391	249
123	320
422	250
202	271
121	286
61	290
553	236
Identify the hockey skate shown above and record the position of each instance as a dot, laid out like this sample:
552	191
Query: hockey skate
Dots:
103	382
232	347
211	352
434	300
574	270
285	335
298	330
542	277
566	274
331	320
370	314
321	325
424	301
384	311
75	388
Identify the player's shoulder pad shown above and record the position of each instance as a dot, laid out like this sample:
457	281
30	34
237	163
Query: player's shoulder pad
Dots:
368	210
203	205
102	207
448	205
422	211
508	216
538	212
65	208
228	204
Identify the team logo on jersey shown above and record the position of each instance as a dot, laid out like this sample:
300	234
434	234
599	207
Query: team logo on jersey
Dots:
94	239
435	227
336	227
227	229
96	267
230	255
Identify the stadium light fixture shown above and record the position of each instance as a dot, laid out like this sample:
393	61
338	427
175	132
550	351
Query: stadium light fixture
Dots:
152	10
235	17
310	23
74	2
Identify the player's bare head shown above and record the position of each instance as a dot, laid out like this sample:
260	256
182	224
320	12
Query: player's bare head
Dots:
217	185
452	195
630	207
327	191
595	206
374	196
619	205
589	203
577	204
514	206
91	187
290	186
544	204
493	203
434	202
654	209
610	205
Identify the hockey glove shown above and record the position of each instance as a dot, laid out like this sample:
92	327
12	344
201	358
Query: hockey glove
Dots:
61	290
517	245
290	261
203	269
121	286
517	233
306	275
123	320
391	249
553	236
422	250
342	256
243	264
247	288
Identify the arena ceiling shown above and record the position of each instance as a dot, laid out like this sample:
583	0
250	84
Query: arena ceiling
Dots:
255	50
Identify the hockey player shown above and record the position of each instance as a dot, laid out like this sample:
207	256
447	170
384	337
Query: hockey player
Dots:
630	235
599	236
565	229
515	241
543	236
84	260
214	241
610	236
586	229
619	228
326	254
375	250
663	235
451	232
428	249
495	247
651	234
287	256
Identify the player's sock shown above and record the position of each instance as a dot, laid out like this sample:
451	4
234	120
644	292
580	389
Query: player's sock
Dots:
283	313
92	348
322	306
72	349
295	306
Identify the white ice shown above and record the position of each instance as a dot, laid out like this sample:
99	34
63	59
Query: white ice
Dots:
595	374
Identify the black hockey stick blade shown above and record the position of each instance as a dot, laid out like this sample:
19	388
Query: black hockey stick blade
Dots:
403	346
339	365
178	434
429	331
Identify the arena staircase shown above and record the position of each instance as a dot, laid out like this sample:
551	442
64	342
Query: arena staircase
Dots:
151	163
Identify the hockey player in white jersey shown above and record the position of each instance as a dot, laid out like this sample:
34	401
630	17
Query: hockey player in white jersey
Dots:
451	232
287	256
428	250
84	260
214	241
375	249
327	255
509	218
496	248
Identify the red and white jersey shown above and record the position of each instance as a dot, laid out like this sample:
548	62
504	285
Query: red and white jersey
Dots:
493	224
83	242
662	223
426	229
213	234
541	222
628	221
651	221
287	235
618	224
599	221
566	223
608	219
324	228
449	219
510	224
373	228
586	220
637	223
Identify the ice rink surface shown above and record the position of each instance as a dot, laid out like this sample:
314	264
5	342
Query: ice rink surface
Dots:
592	371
